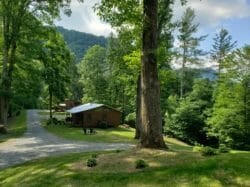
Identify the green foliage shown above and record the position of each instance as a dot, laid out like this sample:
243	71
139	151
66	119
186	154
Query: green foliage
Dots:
222	46
186	120
230	114
94	155
3	130
208	151
140	164
188	50
93	75
197	148
56	59
130	119
103	124
51	121
21	22
91	162
16	128
124	63
79	42
223	148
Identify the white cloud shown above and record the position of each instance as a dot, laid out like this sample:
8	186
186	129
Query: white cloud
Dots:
209	13
213	12
84	19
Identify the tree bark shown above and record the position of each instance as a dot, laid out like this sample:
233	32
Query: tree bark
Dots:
50	104
151	135
138	109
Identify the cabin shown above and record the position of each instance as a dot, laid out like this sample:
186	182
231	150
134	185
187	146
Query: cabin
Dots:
92	115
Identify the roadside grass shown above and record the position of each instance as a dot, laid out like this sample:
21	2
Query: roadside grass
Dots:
16	127
166	168
120	134
46	112
115	135
58	115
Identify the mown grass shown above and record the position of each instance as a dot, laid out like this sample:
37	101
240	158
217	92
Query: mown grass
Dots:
166	168
16	127
120	134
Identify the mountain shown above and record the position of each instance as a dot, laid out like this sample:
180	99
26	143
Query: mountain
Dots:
208	73
79	42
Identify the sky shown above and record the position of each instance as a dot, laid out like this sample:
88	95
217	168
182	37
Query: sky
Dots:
212	15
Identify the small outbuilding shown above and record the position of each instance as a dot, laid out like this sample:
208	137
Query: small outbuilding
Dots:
92	115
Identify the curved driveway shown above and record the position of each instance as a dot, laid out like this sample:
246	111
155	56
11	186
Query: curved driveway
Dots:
37	143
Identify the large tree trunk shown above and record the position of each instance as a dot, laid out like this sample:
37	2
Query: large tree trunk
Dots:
50	103
151	135
4	94
138	109
6	84
4	81
10	33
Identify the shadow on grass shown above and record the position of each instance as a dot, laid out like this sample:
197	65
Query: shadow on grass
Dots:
222	170
16	127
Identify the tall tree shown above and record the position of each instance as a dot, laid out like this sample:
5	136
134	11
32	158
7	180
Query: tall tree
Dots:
188	120
93	75
230	115
151	135
222	46
56	59
189	44
15	15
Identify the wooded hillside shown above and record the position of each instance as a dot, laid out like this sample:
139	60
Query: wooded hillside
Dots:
79	42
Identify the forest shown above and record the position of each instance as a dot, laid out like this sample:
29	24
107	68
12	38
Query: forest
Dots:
132	70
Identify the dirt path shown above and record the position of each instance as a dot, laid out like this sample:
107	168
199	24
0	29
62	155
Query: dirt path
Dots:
37	143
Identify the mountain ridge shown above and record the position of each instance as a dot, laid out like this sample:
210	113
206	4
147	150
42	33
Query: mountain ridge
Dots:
79	42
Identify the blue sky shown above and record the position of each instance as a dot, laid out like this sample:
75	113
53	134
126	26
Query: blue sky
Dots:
212	15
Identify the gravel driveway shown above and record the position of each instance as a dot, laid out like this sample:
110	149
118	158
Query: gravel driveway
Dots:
37	143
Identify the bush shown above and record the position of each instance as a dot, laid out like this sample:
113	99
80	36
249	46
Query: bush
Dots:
197	148
91	162
3	130
208	151
53	121
223	148
130	119
102	124
94	155
139	164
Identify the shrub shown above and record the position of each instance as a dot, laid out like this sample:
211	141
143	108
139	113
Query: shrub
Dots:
139	164
208	151
103	124
223	148
3	130
130	119
94	155
53	121
91	162
197	148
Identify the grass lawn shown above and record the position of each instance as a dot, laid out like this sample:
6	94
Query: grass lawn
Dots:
115	135
166	168
112	135
120	134
16	127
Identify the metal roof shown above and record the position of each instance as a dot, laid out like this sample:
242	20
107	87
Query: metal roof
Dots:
85	107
